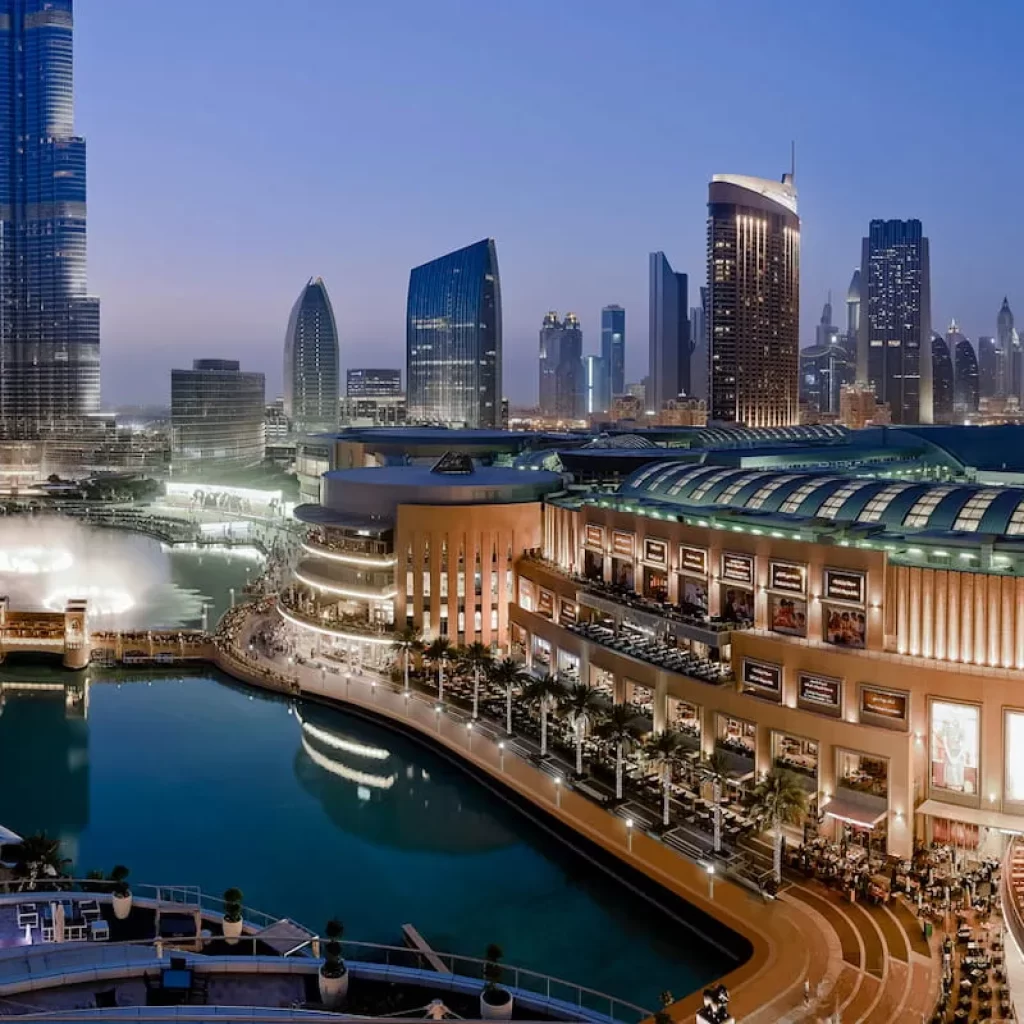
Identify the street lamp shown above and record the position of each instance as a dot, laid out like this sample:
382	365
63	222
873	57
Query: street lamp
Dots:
469	735
373	688
501	756
437	715
558	791
710	869
406	695
629	834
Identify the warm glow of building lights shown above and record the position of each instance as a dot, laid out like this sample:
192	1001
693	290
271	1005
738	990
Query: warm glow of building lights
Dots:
384	561
363	594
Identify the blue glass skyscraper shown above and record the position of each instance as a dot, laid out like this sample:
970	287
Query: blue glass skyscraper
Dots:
50	326
453	339
613	348
311	361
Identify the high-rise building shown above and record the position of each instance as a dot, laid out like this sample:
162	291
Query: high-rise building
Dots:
561	367
613	347
990	365
965	374
942	381
669	334
754	281
824	370
826	333
312	361
597	398
373	383
895	323
852	317
1009	345
453	341
700	371
49	325
217	417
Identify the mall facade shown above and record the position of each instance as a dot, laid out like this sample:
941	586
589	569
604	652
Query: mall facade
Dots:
860	623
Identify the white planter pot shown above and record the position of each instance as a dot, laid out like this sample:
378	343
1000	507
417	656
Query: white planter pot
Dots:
333	990
122	906
232	929
496	1004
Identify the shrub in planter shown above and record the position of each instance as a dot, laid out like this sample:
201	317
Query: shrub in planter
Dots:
232	914
495	1001
122	894
333	978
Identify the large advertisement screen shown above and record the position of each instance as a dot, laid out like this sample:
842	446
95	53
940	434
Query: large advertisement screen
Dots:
844	585
1015	756
844	627
737	568
693	560
788	615
955	739
788	577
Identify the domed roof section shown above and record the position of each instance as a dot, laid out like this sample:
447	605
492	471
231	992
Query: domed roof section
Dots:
634	441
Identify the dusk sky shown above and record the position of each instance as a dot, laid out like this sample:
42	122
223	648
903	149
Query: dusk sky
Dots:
237	147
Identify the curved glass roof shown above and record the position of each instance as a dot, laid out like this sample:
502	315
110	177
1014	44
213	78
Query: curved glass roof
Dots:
899	506
710	437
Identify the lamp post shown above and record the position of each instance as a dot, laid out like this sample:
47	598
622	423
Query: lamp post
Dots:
501	756
437	715
469	735
373	689
406	695
558	791
710	869
629	834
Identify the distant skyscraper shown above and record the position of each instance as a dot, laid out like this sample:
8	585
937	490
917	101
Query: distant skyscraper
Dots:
49	327
699	350
366	383
217	417
597	398
312	361
754	279
613	347
824	370
989	368
942	381
895	323
561	367
453	342
826	333
668	373
965	376
1009	345
852	316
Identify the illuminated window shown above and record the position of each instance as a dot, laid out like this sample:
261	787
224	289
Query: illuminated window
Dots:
797	498
970	516
688	477
922	509
875	508
1016	524
767	490
709	482
729	494
837	499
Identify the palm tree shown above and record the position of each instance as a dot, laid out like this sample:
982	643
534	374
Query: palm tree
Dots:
544	691
405	642
779	798
508	674
662	749
37	856
477	657
580	705
619	726
715	768
438	651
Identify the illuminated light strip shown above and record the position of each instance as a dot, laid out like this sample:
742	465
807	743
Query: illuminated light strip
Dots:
385	561
853	821
385	641
349	746
348	774
345	591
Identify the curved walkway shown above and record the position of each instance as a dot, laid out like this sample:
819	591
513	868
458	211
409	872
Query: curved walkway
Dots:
852	959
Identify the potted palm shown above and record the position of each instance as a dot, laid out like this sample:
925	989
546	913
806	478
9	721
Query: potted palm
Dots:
122	894
232	914
495	1001
333	977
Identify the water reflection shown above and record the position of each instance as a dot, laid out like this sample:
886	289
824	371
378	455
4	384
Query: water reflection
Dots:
412	809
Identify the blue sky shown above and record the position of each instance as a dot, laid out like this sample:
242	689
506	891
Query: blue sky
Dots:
237	147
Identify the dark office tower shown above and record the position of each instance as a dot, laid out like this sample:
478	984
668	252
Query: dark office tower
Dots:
561	367
668	373
311	361
49	326
613	347
852	316
895	323
1009	346
824	369
754	322
698	351
942	381
989	367
367	383
965	379
453	339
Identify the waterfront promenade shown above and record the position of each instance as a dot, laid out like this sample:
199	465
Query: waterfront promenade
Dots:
869	964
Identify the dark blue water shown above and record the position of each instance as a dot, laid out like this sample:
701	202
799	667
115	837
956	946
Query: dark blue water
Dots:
194	781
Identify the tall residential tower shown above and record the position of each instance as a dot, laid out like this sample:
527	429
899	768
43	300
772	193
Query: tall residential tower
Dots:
561	367
754	304
893	352
613	347
311	361
49	325
669	334
453	339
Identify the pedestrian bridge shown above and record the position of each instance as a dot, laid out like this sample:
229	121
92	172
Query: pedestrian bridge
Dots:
67	635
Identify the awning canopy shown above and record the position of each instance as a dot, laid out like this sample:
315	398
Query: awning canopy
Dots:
853	812
974	816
